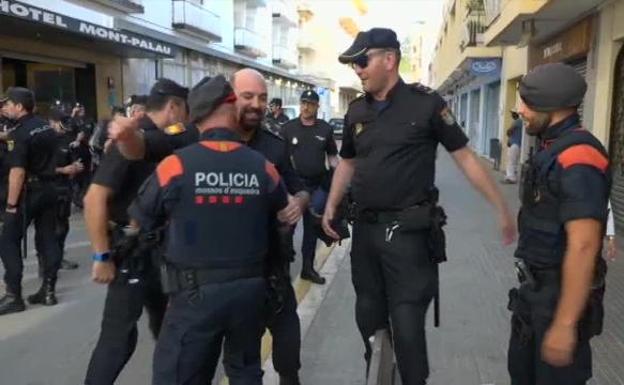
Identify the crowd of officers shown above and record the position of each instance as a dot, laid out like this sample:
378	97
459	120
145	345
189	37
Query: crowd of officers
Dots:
192	207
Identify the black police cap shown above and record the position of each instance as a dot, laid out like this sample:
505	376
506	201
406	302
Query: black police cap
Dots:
137	99
58	115
19	95
373	38
167	87
551	87
309	96
207	95
276	102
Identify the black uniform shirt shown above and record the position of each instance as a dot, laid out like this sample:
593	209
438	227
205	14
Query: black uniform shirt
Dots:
32	146
394	145
159	145
124	177
308	145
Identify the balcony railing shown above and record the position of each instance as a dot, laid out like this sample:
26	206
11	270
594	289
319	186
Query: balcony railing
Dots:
493	8
128	6
194	18
474	27
284	13
285	58
248	42
305	42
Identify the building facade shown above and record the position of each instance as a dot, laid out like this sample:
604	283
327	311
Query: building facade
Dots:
99	52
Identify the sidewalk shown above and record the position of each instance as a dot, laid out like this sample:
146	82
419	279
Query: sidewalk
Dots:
470	346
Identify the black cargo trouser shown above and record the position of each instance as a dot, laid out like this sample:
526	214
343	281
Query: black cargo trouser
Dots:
125	299
41	208
200	322
285	329
394	283
533	311
61	229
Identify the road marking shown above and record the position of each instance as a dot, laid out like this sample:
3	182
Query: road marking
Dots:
325	262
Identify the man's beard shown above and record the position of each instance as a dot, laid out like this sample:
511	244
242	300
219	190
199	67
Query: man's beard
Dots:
538	124
250	124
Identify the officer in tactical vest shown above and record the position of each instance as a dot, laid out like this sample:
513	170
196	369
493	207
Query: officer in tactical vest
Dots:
557	307
217	197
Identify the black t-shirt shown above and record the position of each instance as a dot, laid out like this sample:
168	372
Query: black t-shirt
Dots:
308	147
32	146
124	177
159	145
394	145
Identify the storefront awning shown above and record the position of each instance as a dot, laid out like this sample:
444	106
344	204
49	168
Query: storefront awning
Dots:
26	21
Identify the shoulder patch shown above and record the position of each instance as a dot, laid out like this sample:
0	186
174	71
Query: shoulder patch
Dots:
168	169
447	116
583	154
175	129
422	88
10	145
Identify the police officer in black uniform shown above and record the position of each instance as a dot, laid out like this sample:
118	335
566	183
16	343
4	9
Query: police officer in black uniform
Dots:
133	279
558	306
388	154
250	87
82	129
276	117
311	147
32	150
6	126
68	166
218	197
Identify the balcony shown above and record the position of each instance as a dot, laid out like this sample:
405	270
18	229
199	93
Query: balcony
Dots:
127	6
513	22
305	10
249	43
473	29
284	14
305	43
195	19
284	58
256	3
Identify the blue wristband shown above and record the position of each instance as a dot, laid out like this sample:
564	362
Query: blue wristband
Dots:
101	257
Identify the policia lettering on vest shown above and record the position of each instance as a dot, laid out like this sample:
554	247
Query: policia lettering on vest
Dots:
281	310
216	245
557	307
388	156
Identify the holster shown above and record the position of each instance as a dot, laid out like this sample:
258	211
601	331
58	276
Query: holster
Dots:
520	321
594	316
427	217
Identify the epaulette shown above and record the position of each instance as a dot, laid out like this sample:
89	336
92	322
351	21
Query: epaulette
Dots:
175	129
357	99
422	88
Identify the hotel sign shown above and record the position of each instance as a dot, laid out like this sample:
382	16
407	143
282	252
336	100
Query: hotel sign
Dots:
42	16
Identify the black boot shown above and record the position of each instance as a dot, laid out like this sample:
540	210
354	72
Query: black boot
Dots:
309	274
46	294
11	303
289	380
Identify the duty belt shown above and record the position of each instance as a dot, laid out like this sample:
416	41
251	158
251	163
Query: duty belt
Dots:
377	216
175	279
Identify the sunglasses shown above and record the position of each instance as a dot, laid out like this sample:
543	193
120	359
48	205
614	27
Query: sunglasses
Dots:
363	60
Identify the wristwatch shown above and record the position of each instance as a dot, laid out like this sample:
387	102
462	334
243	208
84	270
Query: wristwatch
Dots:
11	206
101	257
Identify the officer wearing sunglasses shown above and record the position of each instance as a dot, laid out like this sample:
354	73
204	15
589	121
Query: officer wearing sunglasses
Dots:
388	157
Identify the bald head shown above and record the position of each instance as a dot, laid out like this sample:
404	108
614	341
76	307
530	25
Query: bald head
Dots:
251	92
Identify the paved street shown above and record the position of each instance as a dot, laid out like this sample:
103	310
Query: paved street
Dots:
51	346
